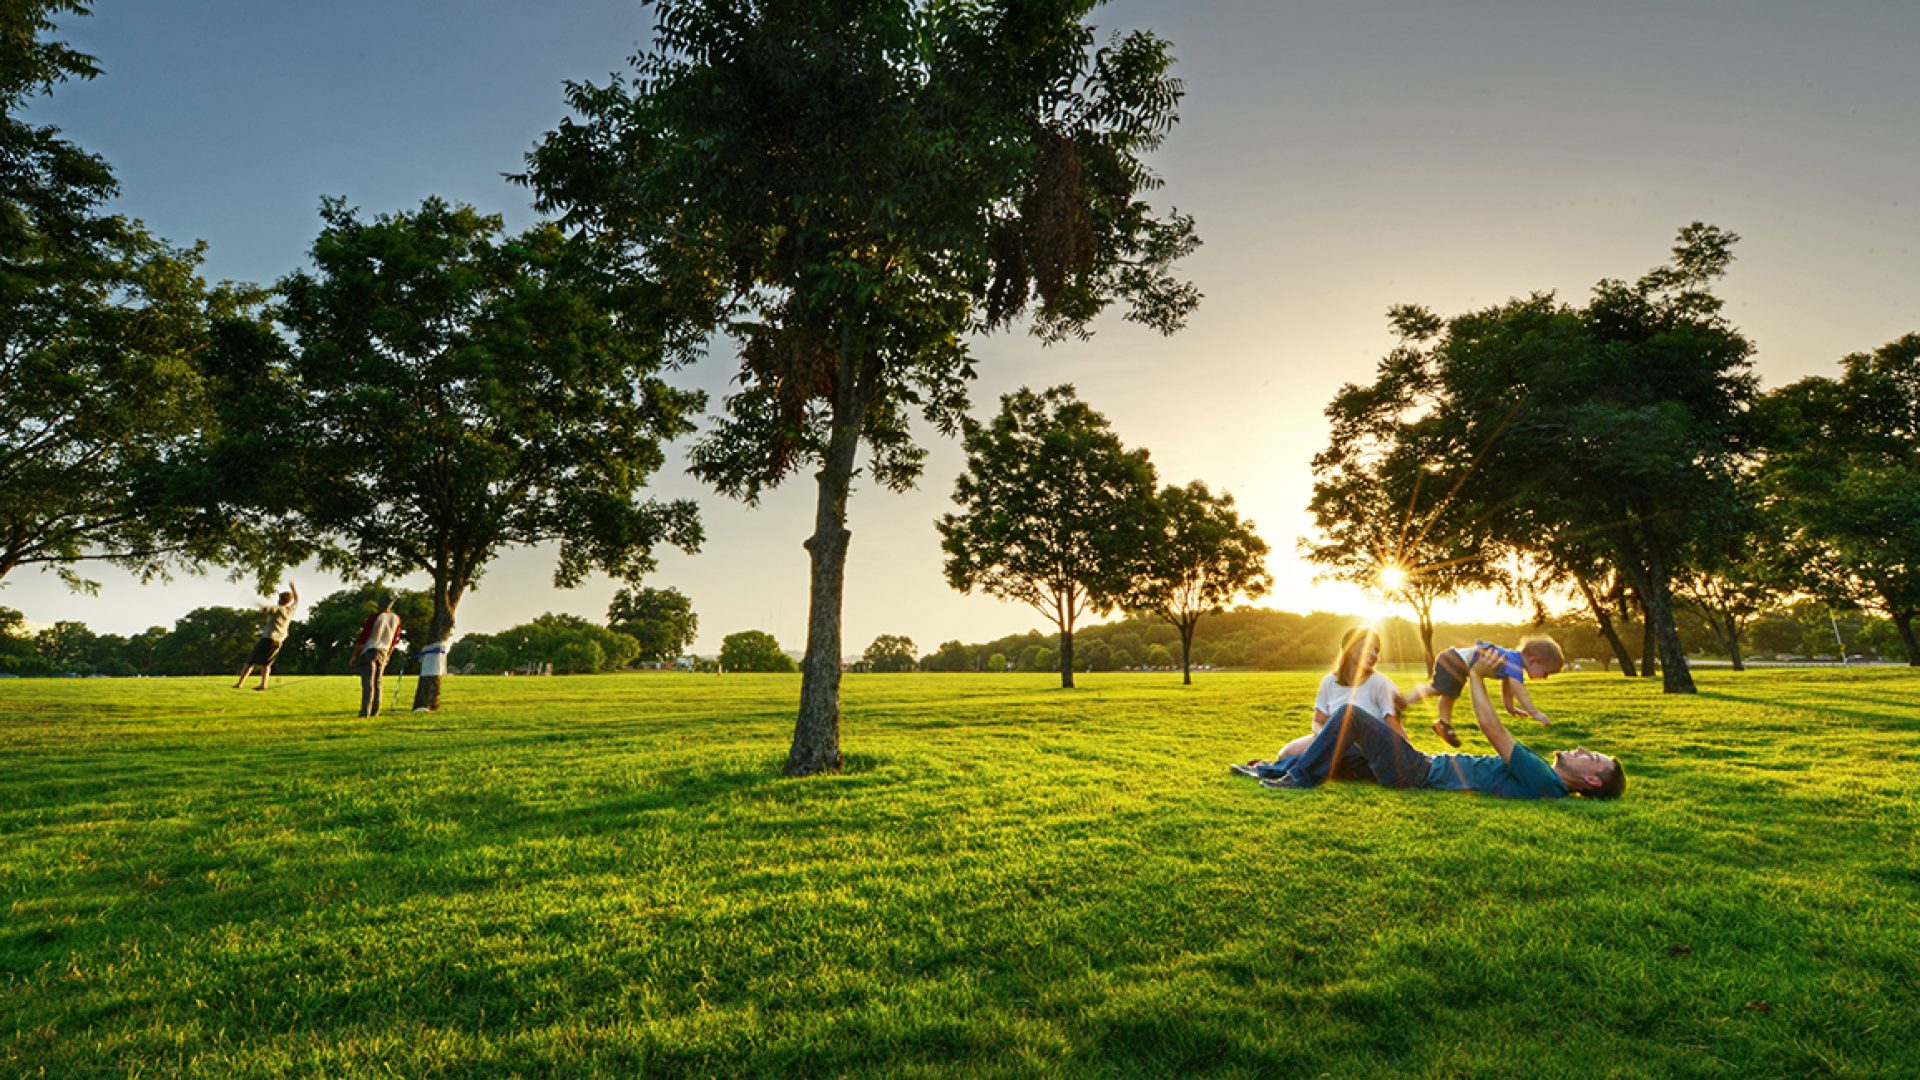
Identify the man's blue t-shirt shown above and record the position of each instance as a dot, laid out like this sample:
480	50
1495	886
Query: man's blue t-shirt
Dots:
1523	776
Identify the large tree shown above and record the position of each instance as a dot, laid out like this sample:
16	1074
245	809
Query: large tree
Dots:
1843	472
1614	431
1054	511
1196	556
850	189
661	620
458	392
106	413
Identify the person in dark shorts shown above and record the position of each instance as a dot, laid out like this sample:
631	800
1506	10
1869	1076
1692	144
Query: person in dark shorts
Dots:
272	636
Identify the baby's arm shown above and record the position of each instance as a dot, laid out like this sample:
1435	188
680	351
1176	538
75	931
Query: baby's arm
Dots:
1506	698
1524	700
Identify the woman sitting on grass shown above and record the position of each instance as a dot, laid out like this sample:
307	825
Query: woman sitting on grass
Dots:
1353	681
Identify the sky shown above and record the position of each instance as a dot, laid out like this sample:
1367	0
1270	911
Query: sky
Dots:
1339	157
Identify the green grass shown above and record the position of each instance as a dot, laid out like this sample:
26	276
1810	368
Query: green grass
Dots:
607	875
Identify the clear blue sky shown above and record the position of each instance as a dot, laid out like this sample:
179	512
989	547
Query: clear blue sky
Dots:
1340	157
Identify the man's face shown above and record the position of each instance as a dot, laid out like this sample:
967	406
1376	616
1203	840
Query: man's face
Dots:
1581	767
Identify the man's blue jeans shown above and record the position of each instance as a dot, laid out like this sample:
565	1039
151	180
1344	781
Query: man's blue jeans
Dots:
1393	761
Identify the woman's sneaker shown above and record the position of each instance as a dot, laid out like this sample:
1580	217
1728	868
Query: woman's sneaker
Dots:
1284	781
1248	770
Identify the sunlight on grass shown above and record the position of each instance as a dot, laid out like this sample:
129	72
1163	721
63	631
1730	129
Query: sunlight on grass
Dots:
608	876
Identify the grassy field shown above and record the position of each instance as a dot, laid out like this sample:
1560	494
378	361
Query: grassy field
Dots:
607	876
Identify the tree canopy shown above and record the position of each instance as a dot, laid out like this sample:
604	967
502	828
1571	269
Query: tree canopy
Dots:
1843	476
891	653
849	190
753	650
661	620
106	413
1611	434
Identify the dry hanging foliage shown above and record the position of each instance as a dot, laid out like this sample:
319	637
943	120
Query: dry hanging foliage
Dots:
1058	234
795	362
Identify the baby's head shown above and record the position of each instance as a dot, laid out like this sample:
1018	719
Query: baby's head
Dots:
1542	657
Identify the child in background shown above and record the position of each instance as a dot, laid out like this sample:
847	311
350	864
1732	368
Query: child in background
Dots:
1537	657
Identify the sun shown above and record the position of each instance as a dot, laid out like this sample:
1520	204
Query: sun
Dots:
1392	577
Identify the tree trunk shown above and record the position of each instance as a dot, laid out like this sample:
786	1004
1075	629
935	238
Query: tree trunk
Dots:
1186	652
1649	640
426	688
1903	622
1673	658
1607	630
1423	612
1733	644
1066	657
816	732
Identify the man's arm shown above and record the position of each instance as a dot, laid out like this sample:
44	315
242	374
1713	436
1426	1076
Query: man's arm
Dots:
1490	726
294	592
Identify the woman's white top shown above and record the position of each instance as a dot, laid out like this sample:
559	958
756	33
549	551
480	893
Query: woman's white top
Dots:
1374	695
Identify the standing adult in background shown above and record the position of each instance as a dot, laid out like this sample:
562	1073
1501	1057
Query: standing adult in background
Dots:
371	651
274	635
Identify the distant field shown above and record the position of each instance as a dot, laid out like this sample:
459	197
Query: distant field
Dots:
607	876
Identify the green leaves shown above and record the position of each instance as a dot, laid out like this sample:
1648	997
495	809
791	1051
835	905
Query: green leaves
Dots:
1842	473
870	179
1054	510
461	391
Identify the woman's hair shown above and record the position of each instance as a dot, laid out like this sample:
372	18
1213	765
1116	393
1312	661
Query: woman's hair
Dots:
1353	654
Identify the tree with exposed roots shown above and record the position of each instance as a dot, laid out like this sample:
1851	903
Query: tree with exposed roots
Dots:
849	190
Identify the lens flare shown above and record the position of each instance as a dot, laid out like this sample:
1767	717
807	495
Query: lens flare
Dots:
1392	578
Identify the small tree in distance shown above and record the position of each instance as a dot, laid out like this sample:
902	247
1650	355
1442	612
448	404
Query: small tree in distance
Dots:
661	620
891	653
754	650
1053	511
1197	557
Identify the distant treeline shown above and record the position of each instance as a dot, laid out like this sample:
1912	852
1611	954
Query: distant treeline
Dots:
1266	640
213	641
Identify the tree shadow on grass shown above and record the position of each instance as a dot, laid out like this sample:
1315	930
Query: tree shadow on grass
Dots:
1882	721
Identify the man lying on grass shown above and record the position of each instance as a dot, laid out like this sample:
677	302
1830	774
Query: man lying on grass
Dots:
1517	773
